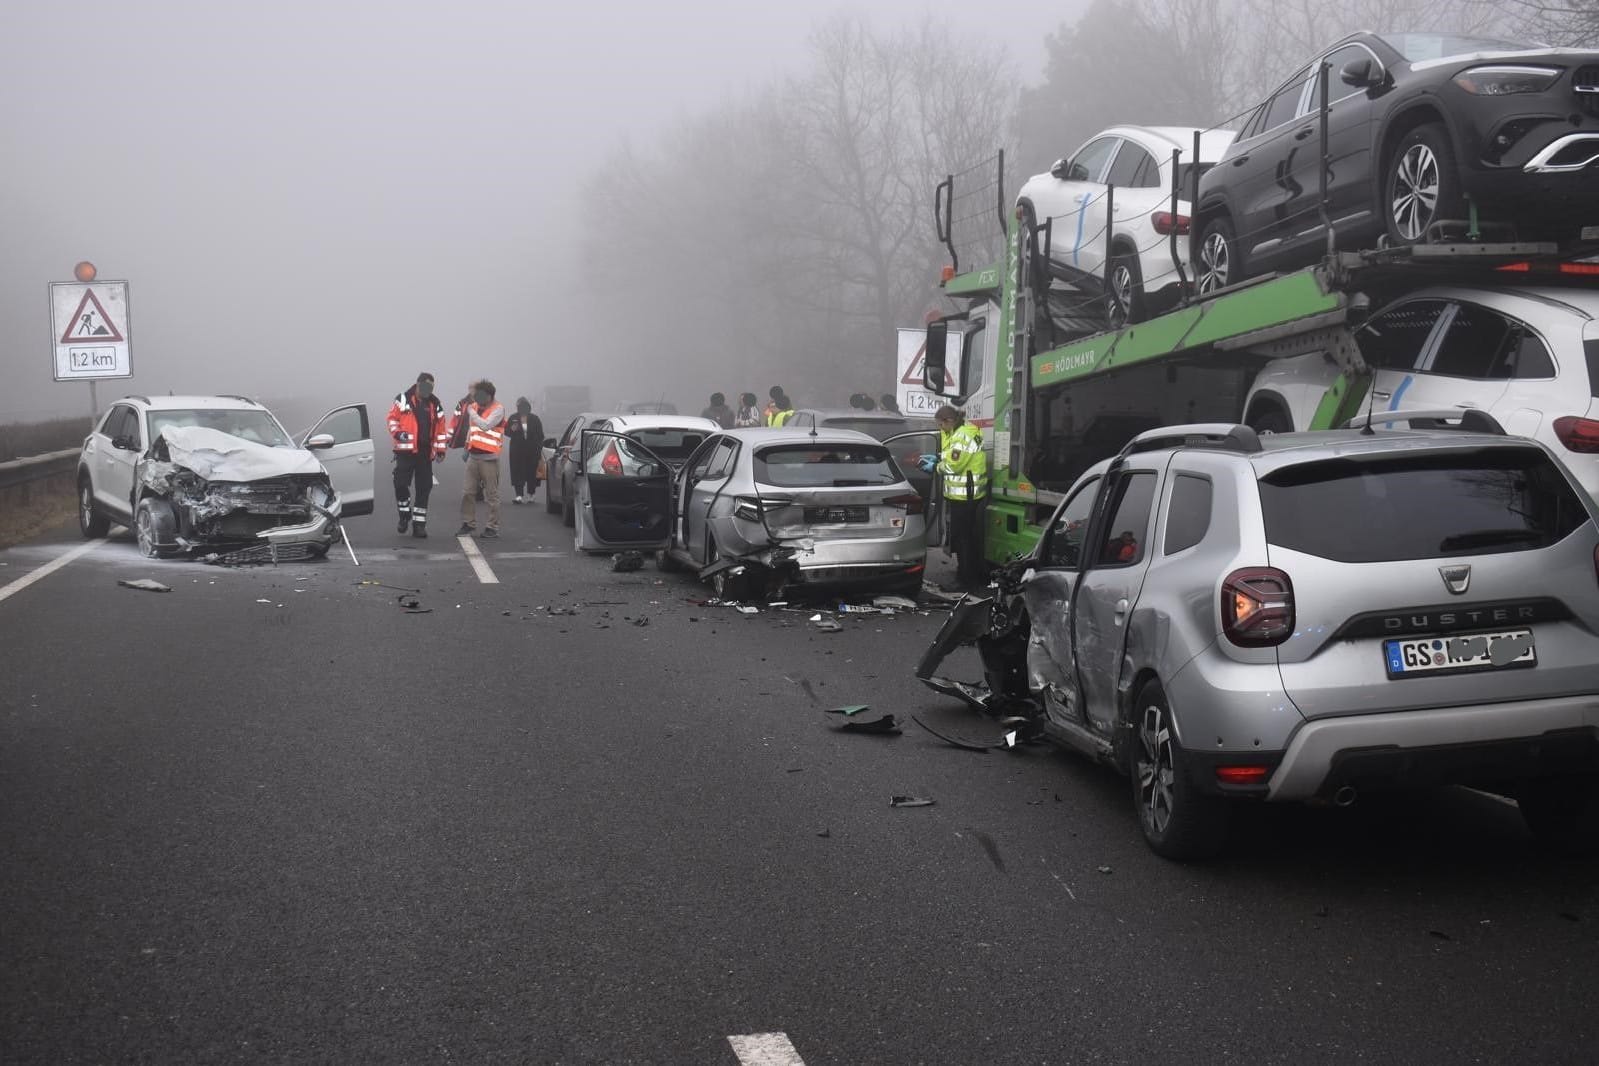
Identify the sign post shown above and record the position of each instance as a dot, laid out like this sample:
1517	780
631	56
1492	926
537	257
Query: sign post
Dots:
90	330
911	360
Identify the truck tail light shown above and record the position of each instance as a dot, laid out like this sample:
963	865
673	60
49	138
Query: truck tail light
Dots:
1257	607
1167	223
911	501
1578	434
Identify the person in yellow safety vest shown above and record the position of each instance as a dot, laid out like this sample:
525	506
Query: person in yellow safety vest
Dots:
784	412
485	436
963	467
774	405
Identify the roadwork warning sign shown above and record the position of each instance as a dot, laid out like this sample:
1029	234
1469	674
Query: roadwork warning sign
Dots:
89	330
912	393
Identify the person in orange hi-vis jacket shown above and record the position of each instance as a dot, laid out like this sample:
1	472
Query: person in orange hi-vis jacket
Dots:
485	438
419	432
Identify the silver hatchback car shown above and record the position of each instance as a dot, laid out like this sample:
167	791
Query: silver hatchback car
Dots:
762	512
1305	617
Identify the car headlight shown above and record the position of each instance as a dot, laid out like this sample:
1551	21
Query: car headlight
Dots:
1506	80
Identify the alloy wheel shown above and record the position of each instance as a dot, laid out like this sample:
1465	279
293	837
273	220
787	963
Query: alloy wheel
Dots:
1414	193
1156	774
85	505
142	529
1215	262
1120	298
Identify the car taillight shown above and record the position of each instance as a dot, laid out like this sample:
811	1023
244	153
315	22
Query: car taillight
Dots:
749	508
1242	775
611	461
1578	434
1167	223
1257	607
911	501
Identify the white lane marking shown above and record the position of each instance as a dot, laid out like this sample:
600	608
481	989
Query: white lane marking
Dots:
49	568
480	565
445	557
765	1049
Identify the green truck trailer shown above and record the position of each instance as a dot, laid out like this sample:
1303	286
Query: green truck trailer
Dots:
1054	399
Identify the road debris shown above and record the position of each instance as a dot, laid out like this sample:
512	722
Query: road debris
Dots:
144	584
885	726
963	745
909	801
412	605
627	562
825	833
849	709
746	610
1104	869
825	625
380	585
641	621
894	603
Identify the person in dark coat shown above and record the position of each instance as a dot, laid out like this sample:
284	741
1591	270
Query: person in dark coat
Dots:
524	438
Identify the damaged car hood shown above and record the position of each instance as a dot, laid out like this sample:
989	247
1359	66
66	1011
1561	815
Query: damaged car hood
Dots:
218	456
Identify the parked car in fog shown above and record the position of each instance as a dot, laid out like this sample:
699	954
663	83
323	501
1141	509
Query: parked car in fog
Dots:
670	439
879	425
763	510
1417	124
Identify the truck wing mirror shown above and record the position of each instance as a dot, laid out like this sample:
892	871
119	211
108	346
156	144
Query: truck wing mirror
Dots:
934	375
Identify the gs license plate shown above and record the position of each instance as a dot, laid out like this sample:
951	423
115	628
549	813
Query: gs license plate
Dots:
837	515
1469	652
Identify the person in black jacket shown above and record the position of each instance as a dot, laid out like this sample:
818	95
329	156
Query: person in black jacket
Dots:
524	437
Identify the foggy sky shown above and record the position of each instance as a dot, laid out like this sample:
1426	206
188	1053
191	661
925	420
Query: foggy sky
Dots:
322	199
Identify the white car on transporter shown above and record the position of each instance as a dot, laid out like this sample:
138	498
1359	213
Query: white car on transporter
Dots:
1147	267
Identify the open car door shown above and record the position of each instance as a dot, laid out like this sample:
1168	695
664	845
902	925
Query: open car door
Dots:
624	495
907	449
342	441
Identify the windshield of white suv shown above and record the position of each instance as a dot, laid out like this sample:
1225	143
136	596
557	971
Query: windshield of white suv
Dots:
805	466
252	425
1416	47
1420	506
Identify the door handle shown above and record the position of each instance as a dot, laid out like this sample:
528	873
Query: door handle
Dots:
363	458
1306	132
1380	395
1240	161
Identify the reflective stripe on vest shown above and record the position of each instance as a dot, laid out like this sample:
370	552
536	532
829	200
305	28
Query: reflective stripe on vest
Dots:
965	446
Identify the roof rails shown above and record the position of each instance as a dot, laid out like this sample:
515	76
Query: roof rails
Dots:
1224	436
141	399
1470	420
241	399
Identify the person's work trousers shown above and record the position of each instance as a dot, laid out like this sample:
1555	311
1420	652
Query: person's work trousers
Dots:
966	540
411	467
482	471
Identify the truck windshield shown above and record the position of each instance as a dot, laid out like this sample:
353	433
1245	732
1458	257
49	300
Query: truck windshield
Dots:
1420	507
809	466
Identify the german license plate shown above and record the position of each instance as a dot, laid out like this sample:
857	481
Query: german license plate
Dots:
837	515
1471	651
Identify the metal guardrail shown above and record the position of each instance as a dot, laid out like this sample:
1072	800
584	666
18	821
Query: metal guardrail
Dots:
38	467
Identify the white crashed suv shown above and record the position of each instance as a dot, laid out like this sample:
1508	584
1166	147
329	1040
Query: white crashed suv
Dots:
192	472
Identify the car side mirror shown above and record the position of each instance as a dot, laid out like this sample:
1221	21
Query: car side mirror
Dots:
549	442
1058	169
125	444
1357	73
319	442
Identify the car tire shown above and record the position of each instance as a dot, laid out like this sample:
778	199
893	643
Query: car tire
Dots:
1179	822
1124	291
551	504
155	528
568	507
730	587
1423	160
1563	813
1269	418
91	522
666	562
1218	259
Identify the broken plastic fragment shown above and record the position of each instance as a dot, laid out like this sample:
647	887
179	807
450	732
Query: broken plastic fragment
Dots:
748	610
144	584
626	562
884	726
827	625
891	602
909	801
849	709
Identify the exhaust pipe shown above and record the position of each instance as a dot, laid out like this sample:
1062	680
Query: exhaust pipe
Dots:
1345	796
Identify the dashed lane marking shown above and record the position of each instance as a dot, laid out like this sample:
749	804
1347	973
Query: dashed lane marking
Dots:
445	557
49	568
480	565
765	1049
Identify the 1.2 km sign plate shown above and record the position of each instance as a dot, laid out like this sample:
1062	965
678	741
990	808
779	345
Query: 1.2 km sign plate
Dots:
89	330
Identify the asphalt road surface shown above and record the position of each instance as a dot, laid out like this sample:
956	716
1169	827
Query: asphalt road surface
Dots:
272	817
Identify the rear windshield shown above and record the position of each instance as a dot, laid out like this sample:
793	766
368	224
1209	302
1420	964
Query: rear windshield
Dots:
1423	507
798	466
673	445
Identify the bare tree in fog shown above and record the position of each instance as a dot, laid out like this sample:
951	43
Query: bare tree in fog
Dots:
1572	24
784	237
